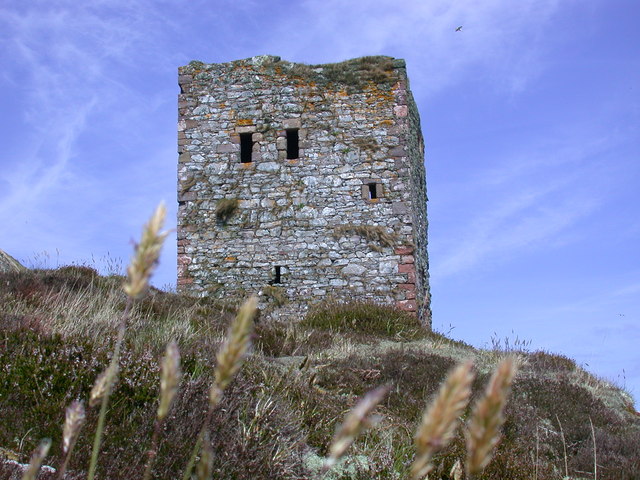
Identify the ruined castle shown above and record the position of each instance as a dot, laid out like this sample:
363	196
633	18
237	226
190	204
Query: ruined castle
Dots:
302	182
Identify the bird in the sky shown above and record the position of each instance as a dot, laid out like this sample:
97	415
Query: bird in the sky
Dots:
459	29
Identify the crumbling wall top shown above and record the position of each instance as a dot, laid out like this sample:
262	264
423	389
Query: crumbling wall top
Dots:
354	75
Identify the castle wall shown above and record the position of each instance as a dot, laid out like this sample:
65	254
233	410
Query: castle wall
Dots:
303	228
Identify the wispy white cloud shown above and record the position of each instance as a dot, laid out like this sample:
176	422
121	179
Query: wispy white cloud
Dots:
500	40
632	289
617	299
531	200
81	72
515	226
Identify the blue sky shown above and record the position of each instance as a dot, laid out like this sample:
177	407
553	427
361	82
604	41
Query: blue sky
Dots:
531	118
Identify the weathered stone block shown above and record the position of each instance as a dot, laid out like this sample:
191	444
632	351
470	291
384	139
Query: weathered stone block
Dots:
187	196
406	268
398	151
407	305
292	123
268	167
226	148
399	208
404	250
354	269
400	110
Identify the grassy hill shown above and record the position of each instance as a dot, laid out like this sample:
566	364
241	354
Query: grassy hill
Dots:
278	416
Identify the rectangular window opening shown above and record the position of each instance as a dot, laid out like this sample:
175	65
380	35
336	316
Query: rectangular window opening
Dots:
246	147
373	191
292	144
277	274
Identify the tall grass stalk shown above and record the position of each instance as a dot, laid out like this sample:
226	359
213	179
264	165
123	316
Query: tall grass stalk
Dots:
564	448
483	432
169	381
356	421
204	469
36	460
229	360
537	453
104	391
456	471
595	455
441	418
139	271
74	419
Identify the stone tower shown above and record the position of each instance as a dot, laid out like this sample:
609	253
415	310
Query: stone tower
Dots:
303	182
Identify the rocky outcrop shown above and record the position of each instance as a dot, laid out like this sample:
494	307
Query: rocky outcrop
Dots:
9	264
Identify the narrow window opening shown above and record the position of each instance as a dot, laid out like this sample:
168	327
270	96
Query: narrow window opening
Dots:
373	191
277	274
246	147
292	144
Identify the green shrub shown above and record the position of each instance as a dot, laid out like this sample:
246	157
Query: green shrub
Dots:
280	339
226	208
277	295
366	318
414	376
545	363
354	75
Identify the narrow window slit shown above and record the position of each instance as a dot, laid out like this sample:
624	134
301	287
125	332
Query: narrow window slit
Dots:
246	147
292	144
277	274
373	192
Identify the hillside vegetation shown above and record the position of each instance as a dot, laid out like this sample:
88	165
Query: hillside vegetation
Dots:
57	329
275	417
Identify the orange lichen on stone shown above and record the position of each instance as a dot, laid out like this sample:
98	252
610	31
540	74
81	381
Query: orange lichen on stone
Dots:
244	122
377	94
302	83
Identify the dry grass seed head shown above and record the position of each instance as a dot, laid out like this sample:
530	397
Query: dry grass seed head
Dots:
169	379
440	419
147	254
74	419
356	421
99	388
484	427
231	354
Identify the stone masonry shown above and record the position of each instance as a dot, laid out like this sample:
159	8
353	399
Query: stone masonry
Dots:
302	183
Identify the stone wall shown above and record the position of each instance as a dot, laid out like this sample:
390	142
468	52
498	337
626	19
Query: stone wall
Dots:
302	182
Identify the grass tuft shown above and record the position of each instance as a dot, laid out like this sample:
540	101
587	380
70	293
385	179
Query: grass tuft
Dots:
226	209
367	318
376	234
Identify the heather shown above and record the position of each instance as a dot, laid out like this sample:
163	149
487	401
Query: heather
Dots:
200	388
